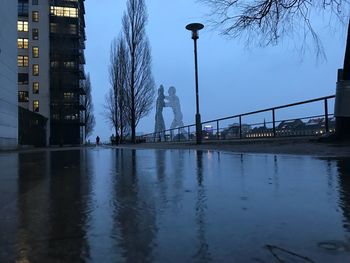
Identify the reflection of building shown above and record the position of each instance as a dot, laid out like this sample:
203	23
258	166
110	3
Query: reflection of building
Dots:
343	166
50	62
8	75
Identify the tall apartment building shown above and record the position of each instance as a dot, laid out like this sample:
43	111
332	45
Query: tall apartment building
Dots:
51	37
8	75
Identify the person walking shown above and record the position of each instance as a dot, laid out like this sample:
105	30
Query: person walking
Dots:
97	140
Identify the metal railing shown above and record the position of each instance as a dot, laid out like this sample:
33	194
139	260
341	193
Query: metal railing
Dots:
240	128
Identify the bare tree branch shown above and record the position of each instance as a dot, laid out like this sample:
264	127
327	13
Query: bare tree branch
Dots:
89	107
266	22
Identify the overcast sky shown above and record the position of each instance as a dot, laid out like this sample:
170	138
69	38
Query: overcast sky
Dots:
232	78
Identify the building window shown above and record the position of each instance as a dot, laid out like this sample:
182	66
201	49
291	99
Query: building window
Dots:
53	27
64	11
23	7
22	61
35	52
23	96
22	26
69	64
35	87
68	95
35	2
22	43
23	78
72	29
35	33
36	106
35	16
35	70
54	64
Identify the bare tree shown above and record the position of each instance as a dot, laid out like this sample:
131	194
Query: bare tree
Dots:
118	75
141	90
89	117
267	21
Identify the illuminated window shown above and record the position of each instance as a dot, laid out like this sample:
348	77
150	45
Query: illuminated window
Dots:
35	52
35	87
64	11
22	26
22	43
35	70
23	96
22	61
36	106
35	34
68	95
69	64
35	16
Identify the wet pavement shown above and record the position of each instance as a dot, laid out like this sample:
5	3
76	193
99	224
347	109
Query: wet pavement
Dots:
124	205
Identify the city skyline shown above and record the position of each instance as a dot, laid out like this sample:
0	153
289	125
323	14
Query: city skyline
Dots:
234	70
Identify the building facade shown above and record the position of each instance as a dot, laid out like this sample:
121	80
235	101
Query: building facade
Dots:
51	36
8	75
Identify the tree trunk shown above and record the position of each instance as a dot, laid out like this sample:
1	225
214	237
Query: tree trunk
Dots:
133	119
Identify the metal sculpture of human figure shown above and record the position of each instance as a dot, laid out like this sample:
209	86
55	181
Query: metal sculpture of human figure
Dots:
174	102
160	104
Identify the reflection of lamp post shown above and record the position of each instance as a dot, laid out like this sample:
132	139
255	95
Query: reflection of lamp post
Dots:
195	27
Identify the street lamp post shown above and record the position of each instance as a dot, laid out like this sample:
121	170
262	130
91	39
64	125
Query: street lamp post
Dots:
195	27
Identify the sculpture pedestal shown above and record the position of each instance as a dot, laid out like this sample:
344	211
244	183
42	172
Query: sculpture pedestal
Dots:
342	109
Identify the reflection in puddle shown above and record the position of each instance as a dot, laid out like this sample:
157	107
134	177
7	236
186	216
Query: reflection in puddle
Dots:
115	205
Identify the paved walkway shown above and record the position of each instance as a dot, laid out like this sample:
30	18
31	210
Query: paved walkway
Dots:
295	146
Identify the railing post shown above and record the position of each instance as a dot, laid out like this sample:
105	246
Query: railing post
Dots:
240	126
188	133
217	130
326	120
274	122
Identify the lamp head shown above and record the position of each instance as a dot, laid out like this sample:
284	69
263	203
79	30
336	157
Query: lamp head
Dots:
195	27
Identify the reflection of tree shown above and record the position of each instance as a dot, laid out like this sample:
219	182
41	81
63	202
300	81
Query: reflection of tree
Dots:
69	188
202	253
160	164
344	190
134	215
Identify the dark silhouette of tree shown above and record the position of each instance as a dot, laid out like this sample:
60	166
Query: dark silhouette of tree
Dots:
118	75
141	91
267	21
89	117
110	109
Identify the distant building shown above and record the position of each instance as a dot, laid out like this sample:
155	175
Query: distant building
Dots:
8	75
233	131
51	36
